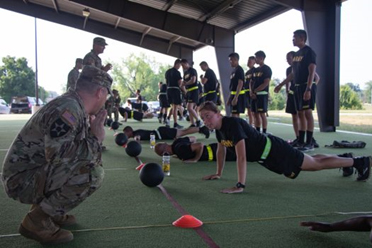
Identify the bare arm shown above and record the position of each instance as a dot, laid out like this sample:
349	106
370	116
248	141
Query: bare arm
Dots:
198	149
286	81
358	224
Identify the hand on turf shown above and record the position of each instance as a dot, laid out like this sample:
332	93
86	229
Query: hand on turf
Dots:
317	226
233	190
211	177
96	124
189	161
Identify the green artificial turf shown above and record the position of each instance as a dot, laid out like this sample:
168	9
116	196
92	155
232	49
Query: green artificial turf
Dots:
125	213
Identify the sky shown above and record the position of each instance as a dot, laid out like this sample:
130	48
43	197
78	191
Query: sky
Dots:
58	46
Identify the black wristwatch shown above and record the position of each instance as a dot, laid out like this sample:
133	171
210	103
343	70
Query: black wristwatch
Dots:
239	185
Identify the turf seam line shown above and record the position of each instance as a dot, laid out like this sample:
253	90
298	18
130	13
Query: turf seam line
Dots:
203	235
207	222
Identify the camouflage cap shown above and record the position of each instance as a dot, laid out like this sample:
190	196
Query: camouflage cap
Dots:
100	41
96	76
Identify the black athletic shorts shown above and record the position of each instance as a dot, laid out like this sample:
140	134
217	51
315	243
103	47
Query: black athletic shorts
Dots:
240	106
174	96
201	100
211	97
167	133
259	105
192	96
163	101
290	107
283	158
299	95
248	100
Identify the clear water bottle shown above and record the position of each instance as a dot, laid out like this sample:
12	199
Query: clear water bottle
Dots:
152	141
166	164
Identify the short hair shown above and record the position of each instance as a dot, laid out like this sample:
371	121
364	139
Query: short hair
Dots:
115	91
177	61
87	86
79	60
203	63
301	33
252	57
128	129
260	54
234	55
209	106
292	53
185	61
160	82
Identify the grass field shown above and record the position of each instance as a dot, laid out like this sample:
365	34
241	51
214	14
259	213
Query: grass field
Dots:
125	213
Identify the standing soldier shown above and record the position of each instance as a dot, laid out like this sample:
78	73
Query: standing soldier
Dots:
190	81
112	105
174	84
54	163
237	93
248	82
164	104
73	75
99	45
260	91
209	80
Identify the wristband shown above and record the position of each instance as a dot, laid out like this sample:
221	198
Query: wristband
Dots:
239	185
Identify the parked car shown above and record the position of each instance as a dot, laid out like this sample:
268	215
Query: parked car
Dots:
23	104
154	106
4	107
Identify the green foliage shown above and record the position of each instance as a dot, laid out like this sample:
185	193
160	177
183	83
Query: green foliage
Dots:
16	78
138	72
367	92
277	100
349	99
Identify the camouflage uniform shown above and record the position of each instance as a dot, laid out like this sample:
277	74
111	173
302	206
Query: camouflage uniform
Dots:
72	78
55	161
92	59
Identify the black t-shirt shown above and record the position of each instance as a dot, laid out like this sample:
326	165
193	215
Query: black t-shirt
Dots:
236	75
235	129
212	80
188	74
172	77
182	148
260	74
301	61
248	77
163	88
288	71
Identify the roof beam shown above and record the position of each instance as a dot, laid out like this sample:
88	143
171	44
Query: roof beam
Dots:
25	1
117	22
71	20
225	5
151	17
147	30
174	39
55	4
169	5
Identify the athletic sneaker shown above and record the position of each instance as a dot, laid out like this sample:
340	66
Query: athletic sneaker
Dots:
365	170
293	142
159	120
347	171
316	145
192	125
198	124
306	148
176	125
181	118
204	130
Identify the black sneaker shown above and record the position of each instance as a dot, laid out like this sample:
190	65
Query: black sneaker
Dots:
176	125
293	142
365	170
306	148
198	124
298	145
316	145
347	171
192	125
204	130
159	120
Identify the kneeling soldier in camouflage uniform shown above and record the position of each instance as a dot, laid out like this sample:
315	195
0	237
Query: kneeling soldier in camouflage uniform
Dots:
54	162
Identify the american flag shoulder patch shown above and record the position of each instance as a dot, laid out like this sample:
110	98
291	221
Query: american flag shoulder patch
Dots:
69	118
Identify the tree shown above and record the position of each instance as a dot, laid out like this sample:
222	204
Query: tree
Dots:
277	100
16	78
138	72
368	92
349	99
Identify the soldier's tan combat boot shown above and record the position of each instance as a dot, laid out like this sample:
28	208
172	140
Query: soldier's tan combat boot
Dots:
64	220
38	226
